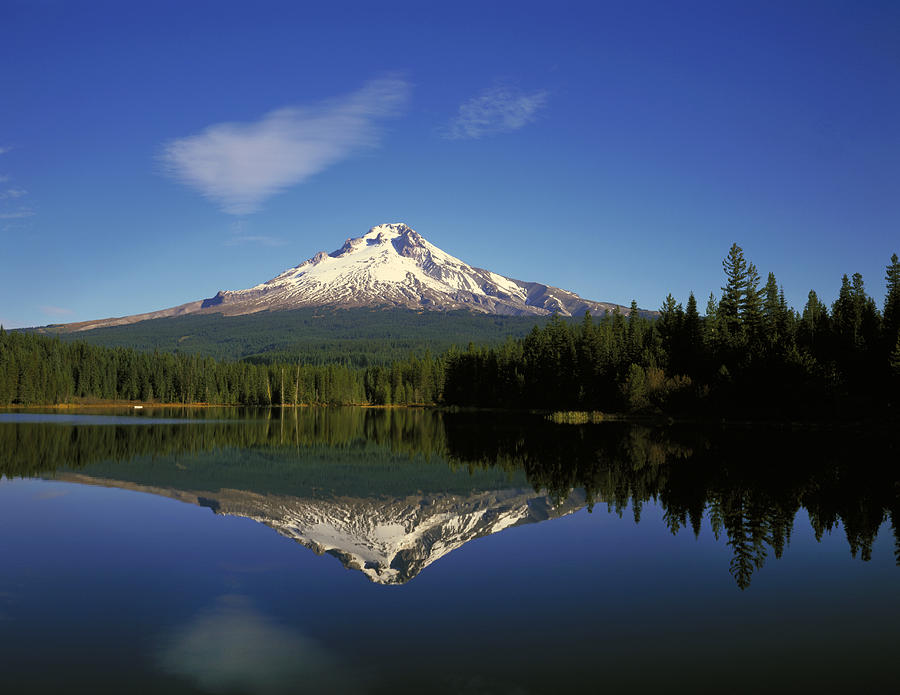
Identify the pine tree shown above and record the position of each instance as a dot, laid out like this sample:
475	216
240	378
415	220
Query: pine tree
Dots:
735	267
892	303
692	332
846	323
634	333
693	326
867	312
772	309
814	330
787	320
668	325
712	332
751	302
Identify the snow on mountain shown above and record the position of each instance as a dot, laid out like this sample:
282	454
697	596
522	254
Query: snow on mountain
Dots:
394	265
390	540
390	266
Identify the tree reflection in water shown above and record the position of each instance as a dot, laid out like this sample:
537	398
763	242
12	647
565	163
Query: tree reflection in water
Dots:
748	483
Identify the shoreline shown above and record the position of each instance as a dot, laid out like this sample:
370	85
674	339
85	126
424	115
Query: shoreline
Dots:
143	405
885	421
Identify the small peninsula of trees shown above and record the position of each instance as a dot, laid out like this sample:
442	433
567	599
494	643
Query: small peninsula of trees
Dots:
749	353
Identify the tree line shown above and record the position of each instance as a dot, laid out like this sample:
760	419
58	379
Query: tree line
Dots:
749	353
36	369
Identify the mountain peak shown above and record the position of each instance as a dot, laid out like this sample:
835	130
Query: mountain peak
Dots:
389	230
380	234
391	265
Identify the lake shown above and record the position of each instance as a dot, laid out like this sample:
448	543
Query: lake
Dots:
361	550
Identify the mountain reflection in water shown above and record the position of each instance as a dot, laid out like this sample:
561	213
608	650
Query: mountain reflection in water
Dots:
388	492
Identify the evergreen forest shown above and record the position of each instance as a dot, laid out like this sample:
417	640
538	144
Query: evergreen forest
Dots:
355	337
748	354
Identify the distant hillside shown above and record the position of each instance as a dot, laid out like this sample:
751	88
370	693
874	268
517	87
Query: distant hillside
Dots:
355	337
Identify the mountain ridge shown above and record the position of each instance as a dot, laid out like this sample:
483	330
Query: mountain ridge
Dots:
391	266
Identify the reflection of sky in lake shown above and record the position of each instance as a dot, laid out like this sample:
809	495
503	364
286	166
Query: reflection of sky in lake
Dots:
112	588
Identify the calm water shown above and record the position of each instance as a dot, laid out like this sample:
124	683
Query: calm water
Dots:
371	551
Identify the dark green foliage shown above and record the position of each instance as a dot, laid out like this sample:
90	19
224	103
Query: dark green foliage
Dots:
751	355
814	330
751	304
610	363
892	304
687	358
352	337
735	267
35	369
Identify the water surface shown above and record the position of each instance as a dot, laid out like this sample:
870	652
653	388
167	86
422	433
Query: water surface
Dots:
394	551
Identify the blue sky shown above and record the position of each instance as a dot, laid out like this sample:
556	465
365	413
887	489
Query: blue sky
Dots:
154	153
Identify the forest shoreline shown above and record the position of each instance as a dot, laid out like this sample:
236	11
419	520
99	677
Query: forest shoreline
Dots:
871	423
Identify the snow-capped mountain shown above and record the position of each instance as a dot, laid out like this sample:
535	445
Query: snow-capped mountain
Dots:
390	540
390	266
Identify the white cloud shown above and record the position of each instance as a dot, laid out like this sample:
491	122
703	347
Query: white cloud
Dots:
16	215
495	110
11	193
240	165
4	150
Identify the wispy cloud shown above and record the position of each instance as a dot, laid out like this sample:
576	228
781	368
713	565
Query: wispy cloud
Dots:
16	214
11	193
495	110
50	310
240	165
4	150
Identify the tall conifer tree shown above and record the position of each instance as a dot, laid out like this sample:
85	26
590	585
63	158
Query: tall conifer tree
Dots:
735	267
892	303
771	307
751	302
